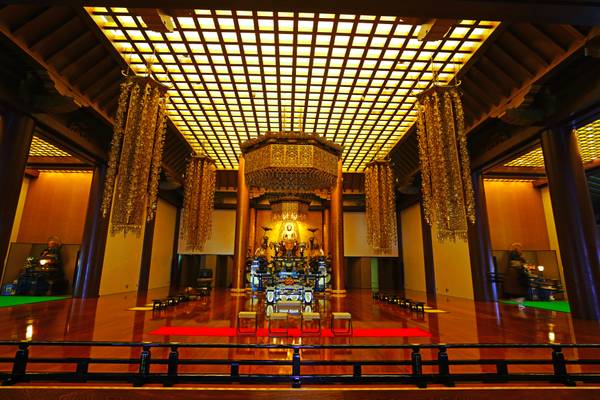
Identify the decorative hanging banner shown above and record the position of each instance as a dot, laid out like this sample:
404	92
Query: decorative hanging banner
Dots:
380	199
445	167
198	203
131	184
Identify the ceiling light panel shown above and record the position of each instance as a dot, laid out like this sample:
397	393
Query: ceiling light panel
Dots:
588	138
236	74
41	148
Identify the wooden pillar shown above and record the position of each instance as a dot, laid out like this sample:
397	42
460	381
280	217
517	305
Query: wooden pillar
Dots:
93	243
480	246
16	133
428	257
252	242
175	280
326	233
575	226
241	232
337	237
400	258
146	261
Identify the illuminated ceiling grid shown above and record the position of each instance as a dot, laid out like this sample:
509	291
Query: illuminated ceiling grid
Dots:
41	148
588	137
236	74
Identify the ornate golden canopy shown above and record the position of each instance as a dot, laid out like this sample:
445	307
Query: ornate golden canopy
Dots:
291	162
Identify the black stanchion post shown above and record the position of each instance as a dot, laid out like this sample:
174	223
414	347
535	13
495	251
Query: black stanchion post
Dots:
444	366
235	370
560	366
82	369
19	365
417	367
356	371
172	366
144	369
296	381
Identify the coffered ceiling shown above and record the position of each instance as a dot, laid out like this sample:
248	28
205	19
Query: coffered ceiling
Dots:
233	75
588	138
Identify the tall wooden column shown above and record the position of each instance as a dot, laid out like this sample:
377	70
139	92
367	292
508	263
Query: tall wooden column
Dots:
575	226
93	244
175	261
480	246
241	231
146	261
16	133
337	237
428	261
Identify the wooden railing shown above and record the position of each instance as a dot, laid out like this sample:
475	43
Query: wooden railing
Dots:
553	367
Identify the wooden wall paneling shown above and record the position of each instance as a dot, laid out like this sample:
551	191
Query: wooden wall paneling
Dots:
56	204
516	214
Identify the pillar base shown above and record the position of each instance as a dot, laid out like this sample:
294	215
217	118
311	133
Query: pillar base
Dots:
237	292
338	293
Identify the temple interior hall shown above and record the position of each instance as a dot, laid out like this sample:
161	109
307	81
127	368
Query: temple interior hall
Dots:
253	199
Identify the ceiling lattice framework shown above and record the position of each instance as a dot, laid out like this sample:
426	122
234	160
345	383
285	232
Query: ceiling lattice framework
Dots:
588	138
41	148
236	74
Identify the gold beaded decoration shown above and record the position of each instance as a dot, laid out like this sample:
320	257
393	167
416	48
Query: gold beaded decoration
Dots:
198	203
131	184
380	207
445	167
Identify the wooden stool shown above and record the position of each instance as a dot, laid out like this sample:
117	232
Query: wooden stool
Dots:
341	316
172	301
310	317
158	304
418	307
278	331
247	316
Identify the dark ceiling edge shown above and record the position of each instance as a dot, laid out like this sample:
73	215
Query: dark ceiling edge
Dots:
547	11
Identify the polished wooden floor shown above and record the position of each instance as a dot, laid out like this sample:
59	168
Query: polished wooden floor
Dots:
107	319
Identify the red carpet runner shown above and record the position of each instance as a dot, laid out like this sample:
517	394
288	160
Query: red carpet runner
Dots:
325	332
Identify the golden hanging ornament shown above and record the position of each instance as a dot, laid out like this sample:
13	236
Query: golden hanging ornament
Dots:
131	185
382	234
198	203
445	167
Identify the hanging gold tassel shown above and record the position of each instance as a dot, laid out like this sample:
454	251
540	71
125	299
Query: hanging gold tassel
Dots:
445	167
380	201
131	184
198	203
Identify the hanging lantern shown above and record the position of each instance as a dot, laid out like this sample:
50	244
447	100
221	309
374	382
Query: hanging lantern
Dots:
131	184
198	203
380	201
445	167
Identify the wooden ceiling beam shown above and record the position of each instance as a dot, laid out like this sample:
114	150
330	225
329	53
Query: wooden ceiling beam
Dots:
435	29
156	19
518	95
575	12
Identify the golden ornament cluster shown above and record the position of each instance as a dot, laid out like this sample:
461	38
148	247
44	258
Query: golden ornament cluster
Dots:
382	229
131	185
289	209
291	162
198	203
445	168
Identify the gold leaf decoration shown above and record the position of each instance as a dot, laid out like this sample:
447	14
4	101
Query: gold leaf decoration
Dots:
198	203
291	162
382	234
131	184
445	167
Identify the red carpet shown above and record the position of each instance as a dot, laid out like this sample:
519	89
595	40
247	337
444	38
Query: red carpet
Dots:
356	332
